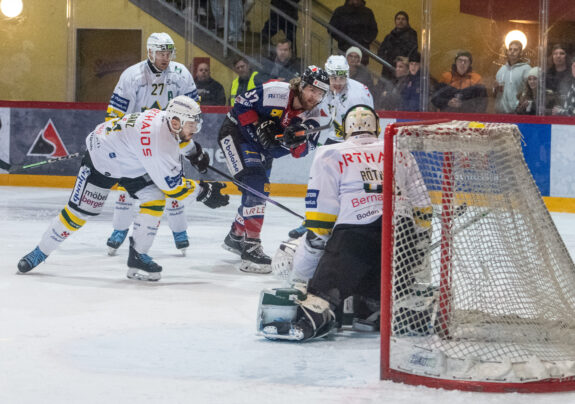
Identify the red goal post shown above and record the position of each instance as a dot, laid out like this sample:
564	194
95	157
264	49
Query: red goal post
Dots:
485	300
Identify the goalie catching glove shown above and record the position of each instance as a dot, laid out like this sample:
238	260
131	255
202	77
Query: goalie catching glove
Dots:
200	160
267	132
211	194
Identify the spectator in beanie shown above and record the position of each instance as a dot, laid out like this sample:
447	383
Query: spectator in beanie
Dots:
357	71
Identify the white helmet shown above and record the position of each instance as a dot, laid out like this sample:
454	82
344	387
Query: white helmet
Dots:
336	65
282	262
360	119
160	42
186	110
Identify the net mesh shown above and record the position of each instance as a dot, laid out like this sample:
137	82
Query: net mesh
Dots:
494	286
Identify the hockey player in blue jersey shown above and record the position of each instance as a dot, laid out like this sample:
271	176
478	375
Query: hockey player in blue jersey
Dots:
266	123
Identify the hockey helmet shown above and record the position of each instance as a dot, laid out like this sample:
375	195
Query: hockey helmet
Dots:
185	110
360	119
282	262
337	66
160	42
316	77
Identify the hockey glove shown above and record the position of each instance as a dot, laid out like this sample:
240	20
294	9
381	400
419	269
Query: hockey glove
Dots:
200	160
267	132
211	194
294	135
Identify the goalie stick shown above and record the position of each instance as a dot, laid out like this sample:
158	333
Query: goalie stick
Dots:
464	226
255	192
11	167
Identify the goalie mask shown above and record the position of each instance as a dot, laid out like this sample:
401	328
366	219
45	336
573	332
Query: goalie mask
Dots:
184	109
360	119
160	42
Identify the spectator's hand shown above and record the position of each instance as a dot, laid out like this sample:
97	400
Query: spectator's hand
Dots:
454	103
557	110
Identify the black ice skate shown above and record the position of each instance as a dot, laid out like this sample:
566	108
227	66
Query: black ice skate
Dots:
141	266
254	260
181	240
233	243
31	260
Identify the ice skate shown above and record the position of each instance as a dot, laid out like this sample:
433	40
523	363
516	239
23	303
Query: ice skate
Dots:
31	260
115	241
233	243
141	266
254	260
181	240
297	232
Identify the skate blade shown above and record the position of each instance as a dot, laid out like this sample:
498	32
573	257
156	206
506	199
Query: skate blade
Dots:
183	251
112	251
253	268
140	275
230	249
271	333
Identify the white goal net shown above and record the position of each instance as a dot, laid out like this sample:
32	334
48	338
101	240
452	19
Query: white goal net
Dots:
490	296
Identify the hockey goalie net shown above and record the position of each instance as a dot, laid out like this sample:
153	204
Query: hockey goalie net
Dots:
488	300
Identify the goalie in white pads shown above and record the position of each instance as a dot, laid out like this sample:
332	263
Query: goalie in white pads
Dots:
141	152
341	253
149	84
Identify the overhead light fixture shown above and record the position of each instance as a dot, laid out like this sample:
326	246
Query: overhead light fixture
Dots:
515	35
11	8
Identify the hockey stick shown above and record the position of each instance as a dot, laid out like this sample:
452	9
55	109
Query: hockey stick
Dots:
464	226
3	164
254	192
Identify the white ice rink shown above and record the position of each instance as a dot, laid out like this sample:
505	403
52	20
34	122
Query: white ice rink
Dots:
75	330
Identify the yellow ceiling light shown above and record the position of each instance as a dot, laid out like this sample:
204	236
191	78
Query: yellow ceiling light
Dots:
11	8
515	35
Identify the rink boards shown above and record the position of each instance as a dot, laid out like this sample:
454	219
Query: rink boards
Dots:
36	131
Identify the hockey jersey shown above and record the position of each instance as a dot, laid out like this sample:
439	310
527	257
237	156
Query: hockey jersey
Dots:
140	144
345	185
336	106
273	101
140	88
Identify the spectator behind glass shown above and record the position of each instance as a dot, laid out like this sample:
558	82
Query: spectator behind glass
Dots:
246	79
401	41
411	93
528	97
568	107
357	22
558	77
210	91
277	22
461	89
389	91
283	66
509	80
357	71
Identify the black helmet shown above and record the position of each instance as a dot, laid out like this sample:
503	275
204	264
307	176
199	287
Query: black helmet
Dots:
315	76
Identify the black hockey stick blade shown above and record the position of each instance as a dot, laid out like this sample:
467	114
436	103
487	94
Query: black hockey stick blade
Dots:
255	192
4	165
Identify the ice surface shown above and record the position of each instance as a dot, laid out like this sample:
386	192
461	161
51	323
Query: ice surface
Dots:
76	330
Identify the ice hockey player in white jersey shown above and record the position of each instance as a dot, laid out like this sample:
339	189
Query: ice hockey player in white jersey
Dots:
149	84
141	152
340	255
342	95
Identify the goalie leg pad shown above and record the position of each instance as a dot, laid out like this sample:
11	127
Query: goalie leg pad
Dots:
416	313
277	310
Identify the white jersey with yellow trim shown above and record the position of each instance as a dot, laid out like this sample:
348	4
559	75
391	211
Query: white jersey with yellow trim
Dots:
345	185
139	144
353	93
140	88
